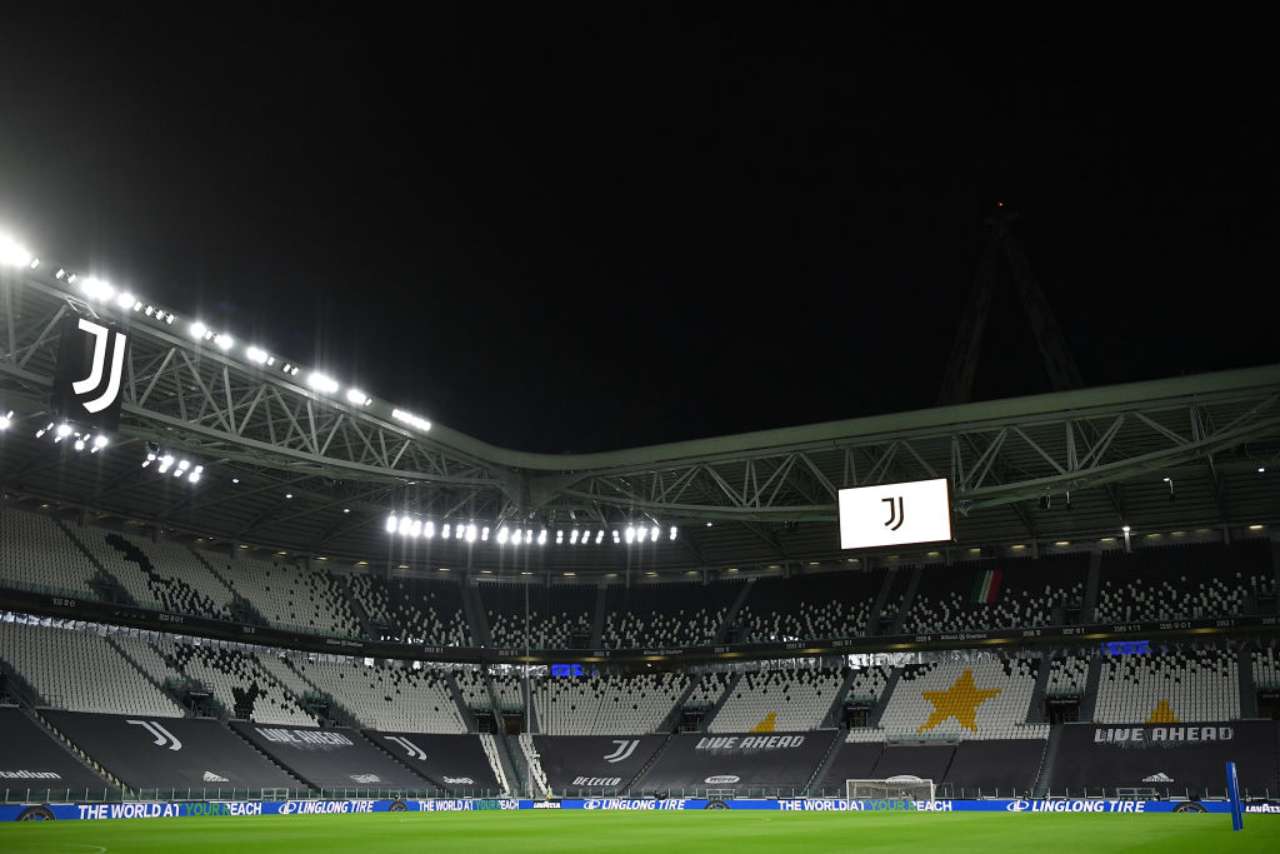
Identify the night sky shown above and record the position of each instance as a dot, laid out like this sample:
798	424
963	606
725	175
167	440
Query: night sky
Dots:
563	232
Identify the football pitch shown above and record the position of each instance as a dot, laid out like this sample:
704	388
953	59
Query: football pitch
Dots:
599	833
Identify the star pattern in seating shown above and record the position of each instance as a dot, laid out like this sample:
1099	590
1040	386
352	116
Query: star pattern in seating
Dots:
960	701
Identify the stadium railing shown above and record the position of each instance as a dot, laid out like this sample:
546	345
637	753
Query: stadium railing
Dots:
115	794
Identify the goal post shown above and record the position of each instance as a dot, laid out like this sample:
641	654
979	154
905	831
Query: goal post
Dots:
904	787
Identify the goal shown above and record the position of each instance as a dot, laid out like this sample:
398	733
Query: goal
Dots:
905	787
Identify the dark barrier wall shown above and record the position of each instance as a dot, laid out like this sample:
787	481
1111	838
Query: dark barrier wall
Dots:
744	761
929	762
601	763
1008	766
854	761
31	759
185	753
1191	756
331	758
455	763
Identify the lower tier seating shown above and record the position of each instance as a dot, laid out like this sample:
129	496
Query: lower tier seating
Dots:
340	759
779	701
147	752
596	765
32	759
744	763
456	764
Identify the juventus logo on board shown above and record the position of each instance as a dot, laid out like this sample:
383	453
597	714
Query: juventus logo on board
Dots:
91	362
413	750
897	513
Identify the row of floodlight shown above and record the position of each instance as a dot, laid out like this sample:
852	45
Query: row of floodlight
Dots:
167	463
96	289
79	440
413	527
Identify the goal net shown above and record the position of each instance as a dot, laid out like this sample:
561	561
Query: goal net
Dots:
905	787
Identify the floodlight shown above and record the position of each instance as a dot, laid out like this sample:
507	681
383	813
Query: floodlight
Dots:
63	431
471	533
100	442
405	525
528	536
224	341
125	300
631	534
654	533
675	532
412	420
573	537
79	444
256	355
600	536
502	535
559	537
198	330
358	398
13	253
445	531
391	524
542	537
429	529
165	462
617	538
95	288
416	529
322	383
484	534
194	477
6	421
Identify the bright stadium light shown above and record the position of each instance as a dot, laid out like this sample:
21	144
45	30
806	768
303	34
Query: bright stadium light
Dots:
503	534
406	524
224	341
125	300
573	537
515	537
542	537
484	534
654	533
559	537
471	533
600	536
358	398
675	532
79	445
528	536
6	421
415	421
416	529
631	534
445	531
198	330
391	524
14	254
322	383
63	431
617	538
196	474
256	355
165	463
97	289
429	529
100	441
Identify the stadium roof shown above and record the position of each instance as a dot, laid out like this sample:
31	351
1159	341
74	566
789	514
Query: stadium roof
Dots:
294	462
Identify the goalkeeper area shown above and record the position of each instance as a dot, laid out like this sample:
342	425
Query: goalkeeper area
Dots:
903	787
702	831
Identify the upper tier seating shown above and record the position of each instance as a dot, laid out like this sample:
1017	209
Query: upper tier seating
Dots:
1196	685
539	616
987	698
663	615
164	576
426	612
826	605
1183	582
390	697
708	690
292	597
867	684
1266	668
235	678
36	554
510	691
779	701
81	671
607	705
972	596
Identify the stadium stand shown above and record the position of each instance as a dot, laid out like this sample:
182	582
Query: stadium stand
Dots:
867	684
509	689
594	765
164	576
147	752
291	597
607	705
779	701
827	605
742	763
457	764
1173	759
1000	768
1188	685
80	670
392	697
1266	668
555	617
972	596
1184	582
36	554
336	759
1068	676
31	759
243	688
412	611
987	698
660	615
708	690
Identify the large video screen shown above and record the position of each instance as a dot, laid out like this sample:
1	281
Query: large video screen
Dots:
895	514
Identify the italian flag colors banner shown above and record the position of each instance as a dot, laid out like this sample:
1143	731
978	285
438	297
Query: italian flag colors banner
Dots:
986	587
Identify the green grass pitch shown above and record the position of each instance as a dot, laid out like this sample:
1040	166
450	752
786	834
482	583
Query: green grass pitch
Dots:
602	833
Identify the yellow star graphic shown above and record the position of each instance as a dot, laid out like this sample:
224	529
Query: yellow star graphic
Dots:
960	701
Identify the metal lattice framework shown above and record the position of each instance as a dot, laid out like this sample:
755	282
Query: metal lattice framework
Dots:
771	495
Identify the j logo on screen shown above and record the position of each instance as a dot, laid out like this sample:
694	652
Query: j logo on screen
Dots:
894	514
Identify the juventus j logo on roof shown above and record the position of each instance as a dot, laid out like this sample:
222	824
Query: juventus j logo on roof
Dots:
91	360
